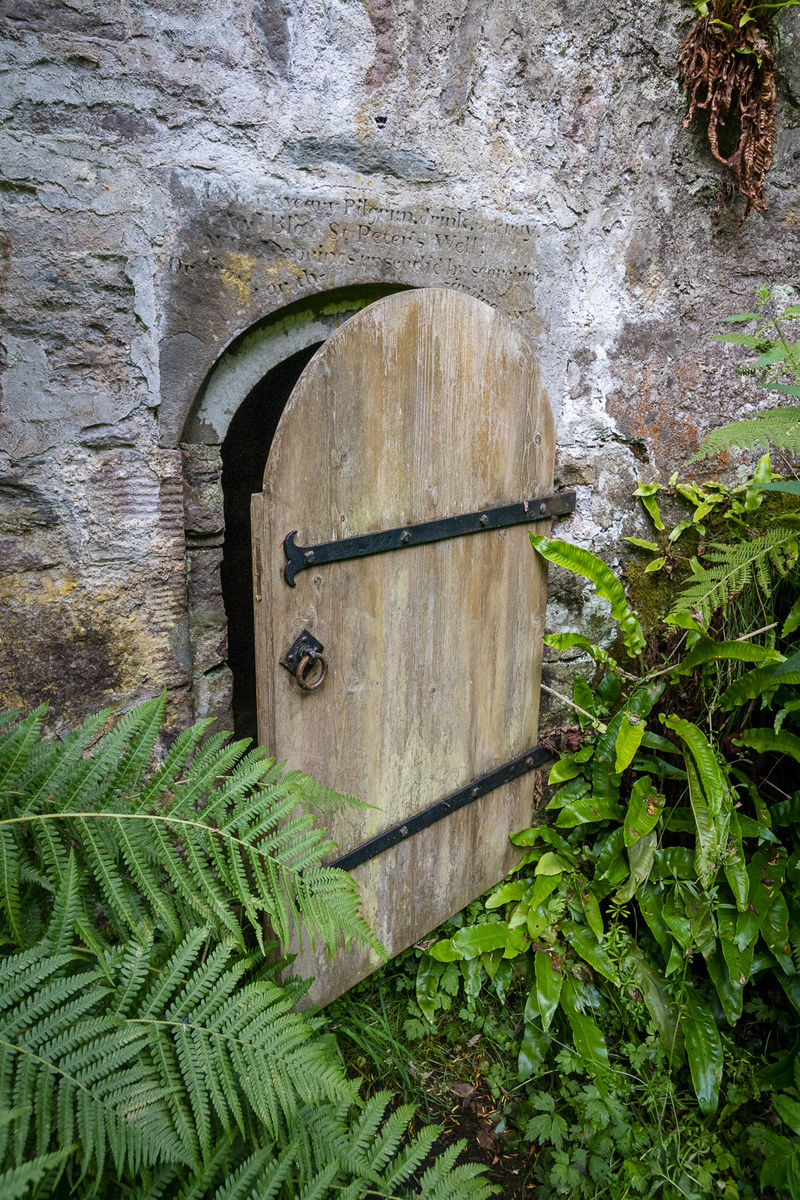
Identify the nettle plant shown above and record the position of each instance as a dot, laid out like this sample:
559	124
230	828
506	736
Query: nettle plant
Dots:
669	876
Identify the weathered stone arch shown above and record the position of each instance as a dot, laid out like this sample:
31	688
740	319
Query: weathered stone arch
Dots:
257	370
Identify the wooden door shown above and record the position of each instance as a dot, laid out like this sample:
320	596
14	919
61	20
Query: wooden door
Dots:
425	405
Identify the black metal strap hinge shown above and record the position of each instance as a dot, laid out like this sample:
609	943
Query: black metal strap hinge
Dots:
300	558
443	808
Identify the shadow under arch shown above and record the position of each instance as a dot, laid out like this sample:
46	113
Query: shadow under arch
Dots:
225	443
265	344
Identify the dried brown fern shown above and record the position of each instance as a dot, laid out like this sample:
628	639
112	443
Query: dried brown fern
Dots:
728	70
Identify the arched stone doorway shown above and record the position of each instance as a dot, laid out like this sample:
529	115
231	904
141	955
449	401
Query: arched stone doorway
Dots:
224	446
244	457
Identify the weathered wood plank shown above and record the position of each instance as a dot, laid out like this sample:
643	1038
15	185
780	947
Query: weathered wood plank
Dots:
425	404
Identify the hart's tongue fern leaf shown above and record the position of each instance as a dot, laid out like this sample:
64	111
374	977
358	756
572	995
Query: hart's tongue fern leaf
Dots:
145	1048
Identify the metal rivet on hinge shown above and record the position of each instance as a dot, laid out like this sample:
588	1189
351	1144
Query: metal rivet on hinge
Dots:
474	793
542	509
484	521
405	537
309	554
529	761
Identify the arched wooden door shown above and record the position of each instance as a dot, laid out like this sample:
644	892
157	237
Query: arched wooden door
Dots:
425	406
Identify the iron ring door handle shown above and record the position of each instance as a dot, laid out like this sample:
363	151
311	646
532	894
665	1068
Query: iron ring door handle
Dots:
305	672
302	659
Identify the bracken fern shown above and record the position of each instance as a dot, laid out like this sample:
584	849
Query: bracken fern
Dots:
729	567
214	821
780	426
145	1047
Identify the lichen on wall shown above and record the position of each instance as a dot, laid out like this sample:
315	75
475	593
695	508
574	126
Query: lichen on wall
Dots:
172	175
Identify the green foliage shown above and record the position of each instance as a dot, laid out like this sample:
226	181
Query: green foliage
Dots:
239	837
145	1047
731	567
741	13
583	562
775	365
640	967
669	873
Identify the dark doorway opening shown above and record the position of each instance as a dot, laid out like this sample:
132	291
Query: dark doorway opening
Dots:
244	457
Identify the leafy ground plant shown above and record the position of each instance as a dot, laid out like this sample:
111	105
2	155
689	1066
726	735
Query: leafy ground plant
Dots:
145	1046
656	920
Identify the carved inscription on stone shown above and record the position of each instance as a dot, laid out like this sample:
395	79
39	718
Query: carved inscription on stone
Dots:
298	244
237	260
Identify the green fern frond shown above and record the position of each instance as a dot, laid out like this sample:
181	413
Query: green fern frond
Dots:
143	1053
411	1158
766	741
190	840
730	567
150	1084
18	1181
778	426
259	1177
444	1181
66	910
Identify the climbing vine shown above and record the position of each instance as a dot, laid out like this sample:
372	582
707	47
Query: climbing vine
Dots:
727	68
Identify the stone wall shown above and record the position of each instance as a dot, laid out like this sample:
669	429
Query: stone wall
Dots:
192	191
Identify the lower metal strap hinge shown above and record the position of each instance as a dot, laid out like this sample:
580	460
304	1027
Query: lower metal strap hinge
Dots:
429	816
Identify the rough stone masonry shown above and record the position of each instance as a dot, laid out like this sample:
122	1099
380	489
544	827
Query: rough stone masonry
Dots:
193	194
